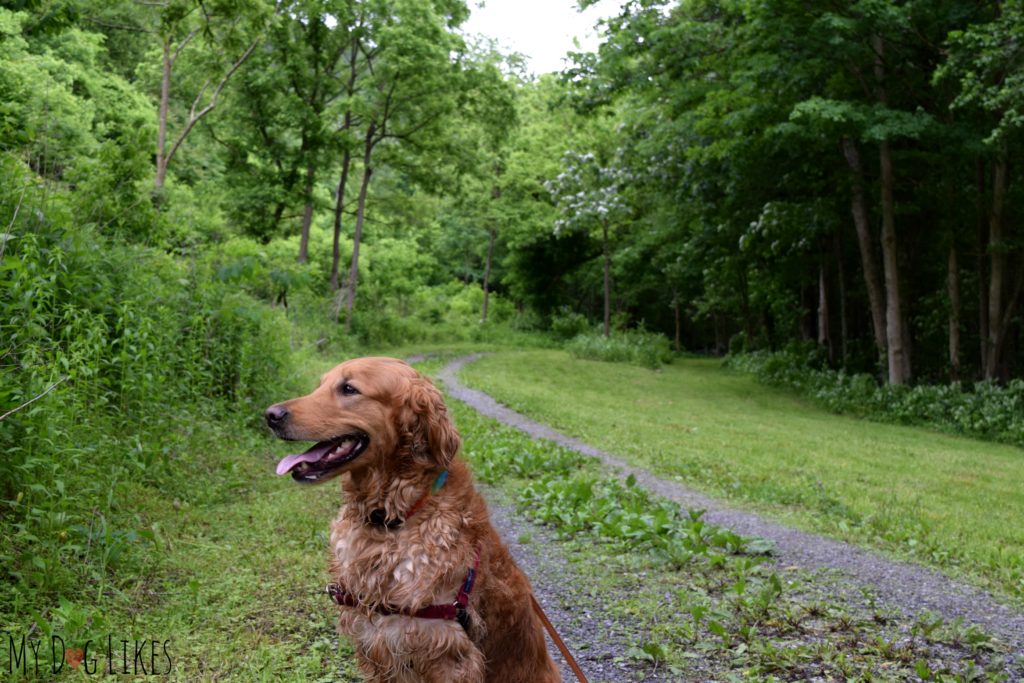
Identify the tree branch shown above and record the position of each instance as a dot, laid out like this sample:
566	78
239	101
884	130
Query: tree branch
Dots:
119	27
194	116
10	226
181	46
33	400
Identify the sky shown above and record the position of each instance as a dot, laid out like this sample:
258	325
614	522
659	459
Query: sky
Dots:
541	29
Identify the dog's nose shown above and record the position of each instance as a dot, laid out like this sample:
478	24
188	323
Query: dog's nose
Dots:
276	415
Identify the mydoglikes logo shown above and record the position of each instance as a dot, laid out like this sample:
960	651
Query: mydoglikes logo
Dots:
29	655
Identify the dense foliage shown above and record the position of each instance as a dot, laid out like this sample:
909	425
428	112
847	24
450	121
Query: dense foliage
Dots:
835	172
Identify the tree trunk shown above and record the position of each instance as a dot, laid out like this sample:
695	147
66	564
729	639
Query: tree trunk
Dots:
824	334
161	139
953	287
195	114
607	281
346	161
982	265
896	331
493	232
859	208
357	237
899	356
307	214
679	320
837	241
278	213
720	344
339	201
999	307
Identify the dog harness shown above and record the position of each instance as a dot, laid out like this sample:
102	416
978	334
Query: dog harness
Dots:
456	611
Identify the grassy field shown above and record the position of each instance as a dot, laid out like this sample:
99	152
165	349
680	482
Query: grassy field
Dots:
948	502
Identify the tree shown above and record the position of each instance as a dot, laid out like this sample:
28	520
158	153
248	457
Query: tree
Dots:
590	196
987	63
408	90
227	33
279	136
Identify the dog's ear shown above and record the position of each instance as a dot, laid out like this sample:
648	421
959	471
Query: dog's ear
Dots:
426	424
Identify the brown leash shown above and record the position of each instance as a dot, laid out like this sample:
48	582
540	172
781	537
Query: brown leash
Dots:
558	641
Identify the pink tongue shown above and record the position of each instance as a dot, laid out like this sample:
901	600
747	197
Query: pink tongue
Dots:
312	455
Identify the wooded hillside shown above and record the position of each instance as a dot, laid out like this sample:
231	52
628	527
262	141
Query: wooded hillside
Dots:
734	175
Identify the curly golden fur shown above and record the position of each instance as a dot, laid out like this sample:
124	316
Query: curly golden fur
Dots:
424	560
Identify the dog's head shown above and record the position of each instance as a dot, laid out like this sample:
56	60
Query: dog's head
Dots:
366	412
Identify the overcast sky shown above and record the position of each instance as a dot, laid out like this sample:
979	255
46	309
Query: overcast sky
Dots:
541	29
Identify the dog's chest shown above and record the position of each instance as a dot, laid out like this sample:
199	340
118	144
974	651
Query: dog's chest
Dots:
404	568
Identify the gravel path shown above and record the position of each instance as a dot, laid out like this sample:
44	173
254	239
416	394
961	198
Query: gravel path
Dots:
594	640
902	586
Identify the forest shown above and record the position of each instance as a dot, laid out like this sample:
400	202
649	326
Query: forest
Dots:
197	197
734	176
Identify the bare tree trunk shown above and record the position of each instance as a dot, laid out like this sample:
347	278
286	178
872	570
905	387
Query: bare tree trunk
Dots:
899	356
896	332
339	201
679	320
161	138
357	237
837	241
307	213
953	287
982	266
999	305
859	208
493	234
346	161
487	272
195	114
607	282
824	334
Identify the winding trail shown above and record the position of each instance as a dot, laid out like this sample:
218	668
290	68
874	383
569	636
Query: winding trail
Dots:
904	587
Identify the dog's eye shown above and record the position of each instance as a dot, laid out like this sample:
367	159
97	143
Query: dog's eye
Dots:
348	390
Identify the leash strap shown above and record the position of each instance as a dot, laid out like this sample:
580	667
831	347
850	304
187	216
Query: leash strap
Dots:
558	641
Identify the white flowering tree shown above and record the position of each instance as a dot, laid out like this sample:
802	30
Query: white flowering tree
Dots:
589	196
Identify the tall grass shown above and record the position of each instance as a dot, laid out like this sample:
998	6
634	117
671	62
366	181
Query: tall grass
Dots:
637	347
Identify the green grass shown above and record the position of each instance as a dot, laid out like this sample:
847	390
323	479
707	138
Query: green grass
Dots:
949	502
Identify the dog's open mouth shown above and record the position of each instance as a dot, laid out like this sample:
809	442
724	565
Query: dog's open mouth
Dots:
324	457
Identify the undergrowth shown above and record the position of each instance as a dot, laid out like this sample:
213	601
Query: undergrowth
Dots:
638	347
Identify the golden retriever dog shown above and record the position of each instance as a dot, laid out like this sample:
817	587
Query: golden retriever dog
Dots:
427	591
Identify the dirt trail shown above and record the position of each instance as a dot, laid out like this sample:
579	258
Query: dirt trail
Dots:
905	587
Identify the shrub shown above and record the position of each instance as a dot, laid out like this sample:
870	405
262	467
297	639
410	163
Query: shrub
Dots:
629	346
567	324
983	410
